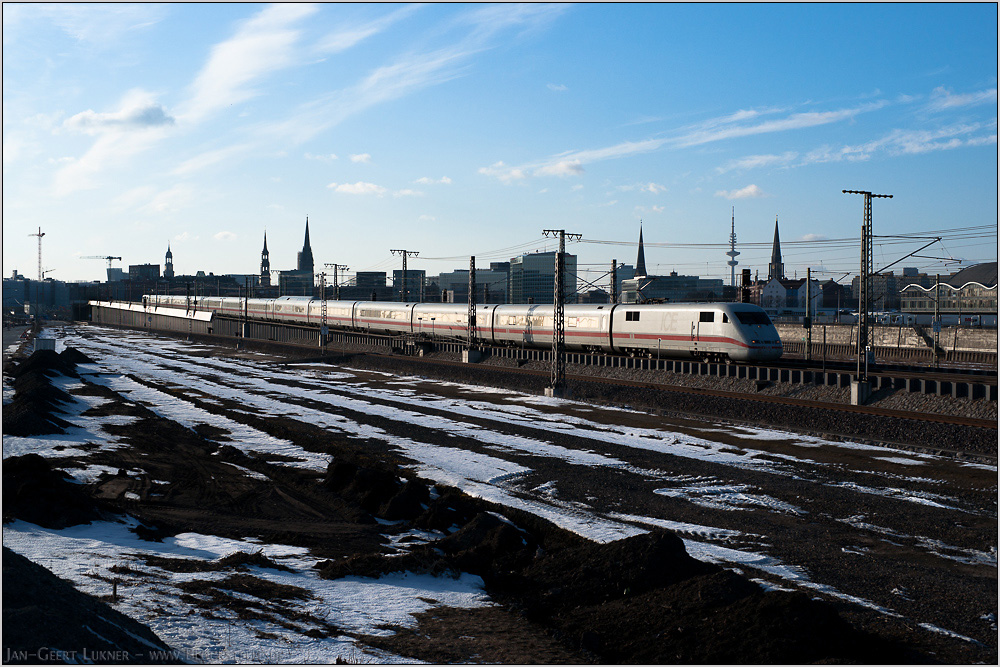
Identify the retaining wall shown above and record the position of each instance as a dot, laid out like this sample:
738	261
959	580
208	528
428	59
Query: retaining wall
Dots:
972	339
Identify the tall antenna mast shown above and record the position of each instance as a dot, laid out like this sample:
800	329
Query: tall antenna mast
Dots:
732	250
40	234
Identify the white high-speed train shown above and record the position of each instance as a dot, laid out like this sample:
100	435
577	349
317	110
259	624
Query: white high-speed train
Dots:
711	331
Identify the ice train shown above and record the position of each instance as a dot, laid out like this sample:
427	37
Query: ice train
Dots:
709	331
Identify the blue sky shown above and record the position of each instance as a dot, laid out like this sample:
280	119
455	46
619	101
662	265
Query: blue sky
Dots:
454	129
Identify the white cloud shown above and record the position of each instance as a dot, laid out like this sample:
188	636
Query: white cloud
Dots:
426	218
652	188
758	161
559	88
147	200
262	45
111	149
321	158
720	129
561	168
100	25
742	193
177	197
359	188
364	158
207	159
224	236
133	198
724	127
347	37
909	142
502	172
413	72
814	237
407	193
942	99
17	145
444	180
138	111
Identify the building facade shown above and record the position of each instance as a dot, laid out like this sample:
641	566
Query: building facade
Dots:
491	284
971	291
144	272
532	278
673	288
788	297
416	279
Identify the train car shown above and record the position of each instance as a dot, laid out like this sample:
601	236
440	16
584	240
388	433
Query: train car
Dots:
585	327
709	331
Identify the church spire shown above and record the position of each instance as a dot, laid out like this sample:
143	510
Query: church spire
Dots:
776	269
265	265
305	258
168	269
640	260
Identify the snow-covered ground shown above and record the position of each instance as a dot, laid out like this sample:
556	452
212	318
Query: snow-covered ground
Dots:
327	398
84	555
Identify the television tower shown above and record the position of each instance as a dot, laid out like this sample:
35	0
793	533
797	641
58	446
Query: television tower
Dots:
732	251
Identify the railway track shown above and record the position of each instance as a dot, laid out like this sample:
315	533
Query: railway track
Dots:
778	400
398	344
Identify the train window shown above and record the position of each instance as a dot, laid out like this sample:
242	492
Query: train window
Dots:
707	316
632	316
725	318
752	317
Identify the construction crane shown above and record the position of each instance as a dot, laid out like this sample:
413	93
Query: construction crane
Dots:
40	234
107	257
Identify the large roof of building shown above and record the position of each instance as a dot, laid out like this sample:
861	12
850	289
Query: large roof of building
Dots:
985	274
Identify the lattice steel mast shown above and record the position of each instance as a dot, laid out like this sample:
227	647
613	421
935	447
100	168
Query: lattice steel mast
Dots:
865	281
404	253
557	377
472	304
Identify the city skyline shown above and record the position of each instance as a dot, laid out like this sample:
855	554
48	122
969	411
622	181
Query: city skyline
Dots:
459	130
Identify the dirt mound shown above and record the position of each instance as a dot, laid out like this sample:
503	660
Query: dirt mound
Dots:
591	573
378	492
71	355
27	419
720	618
41	611
422	560
45	361
35	492
243	559
489	545
609	601
35	399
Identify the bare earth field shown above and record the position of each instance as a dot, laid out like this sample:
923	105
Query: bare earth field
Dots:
251	509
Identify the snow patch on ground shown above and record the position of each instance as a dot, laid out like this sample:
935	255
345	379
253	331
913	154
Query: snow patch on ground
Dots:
354	605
